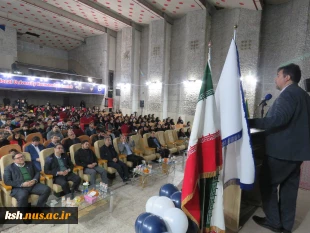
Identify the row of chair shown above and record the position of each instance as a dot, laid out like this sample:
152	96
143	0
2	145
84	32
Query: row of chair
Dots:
168	139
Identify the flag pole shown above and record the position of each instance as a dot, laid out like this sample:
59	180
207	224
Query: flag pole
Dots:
202	225
225	147
235	32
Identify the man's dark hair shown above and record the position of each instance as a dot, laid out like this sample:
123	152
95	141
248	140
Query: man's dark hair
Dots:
292	70
58	144
84	141
18	153
14	150
35	139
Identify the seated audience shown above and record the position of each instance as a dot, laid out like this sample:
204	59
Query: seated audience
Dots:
54	131
54	140
188	133
154	143
180	121
37	129
34	150
108	152
90	130
3	119
127	149
25	180
7	132
25	130
71	140
3	140
86	158
125	128
17	139
60	166
181	134
77	131
100	136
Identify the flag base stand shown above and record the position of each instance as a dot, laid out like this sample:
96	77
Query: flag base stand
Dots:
232	204
240	205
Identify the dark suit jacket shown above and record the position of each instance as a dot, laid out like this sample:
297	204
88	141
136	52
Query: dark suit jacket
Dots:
51	166
84	157
151	142
69	142
34	154
13	176
51	145
287	125
108	153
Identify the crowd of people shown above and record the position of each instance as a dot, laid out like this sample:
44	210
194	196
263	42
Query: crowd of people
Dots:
55	123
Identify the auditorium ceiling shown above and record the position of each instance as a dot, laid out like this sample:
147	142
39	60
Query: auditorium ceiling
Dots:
65	24
248	4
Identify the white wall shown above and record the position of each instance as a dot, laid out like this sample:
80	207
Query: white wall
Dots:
41	55
8	48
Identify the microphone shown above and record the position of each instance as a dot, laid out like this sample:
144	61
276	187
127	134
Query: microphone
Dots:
267	97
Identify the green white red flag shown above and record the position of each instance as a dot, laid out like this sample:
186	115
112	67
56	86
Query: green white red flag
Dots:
202	191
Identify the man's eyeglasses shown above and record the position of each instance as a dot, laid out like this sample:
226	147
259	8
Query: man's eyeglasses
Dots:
20	157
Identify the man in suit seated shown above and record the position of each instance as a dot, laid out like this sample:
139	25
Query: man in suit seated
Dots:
108	152
154	143
25	130
54	140
25	180
60	166
91	129
127	149
34	150
86	158
100	136
55	130
71	140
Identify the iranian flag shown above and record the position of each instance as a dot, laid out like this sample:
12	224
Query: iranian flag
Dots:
202	192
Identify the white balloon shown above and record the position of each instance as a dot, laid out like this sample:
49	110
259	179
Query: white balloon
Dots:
176	220
149	204
161	204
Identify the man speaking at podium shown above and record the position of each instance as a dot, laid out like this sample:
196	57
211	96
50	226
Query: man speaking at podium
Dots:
287	130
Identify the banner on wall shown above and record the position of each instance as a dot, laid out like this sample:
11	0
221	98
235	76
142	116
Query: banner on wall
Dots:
12	81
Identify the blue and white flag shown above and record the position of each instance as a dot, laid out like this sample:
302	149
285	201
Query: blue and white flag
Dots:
238	161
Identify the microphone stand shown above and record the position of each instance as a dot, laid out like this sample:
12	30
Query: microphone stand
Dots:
262	112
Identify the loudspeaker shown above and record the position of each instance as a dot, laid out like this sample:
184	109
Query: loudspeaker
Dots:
106	102
118	92
307	84
141	103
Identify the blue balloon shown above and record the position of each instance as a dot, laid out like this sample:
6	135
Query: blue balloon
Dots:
153	224
176	198
167	190
140	220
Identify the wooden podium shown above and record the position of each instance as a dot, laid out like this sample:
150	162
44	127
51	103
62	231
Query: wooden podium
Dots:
240	205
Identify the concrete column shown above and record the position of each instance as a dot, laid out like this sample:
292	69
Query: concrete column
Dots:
91	58
144	54
136	71
127	69
188	61
158	67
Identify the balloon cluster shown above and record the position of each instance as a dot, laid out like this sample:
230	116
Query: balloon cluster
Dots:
164	214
